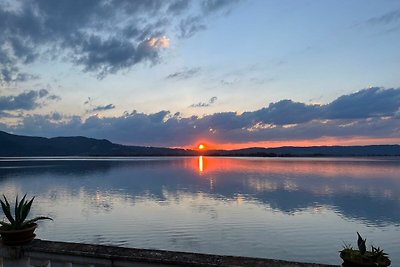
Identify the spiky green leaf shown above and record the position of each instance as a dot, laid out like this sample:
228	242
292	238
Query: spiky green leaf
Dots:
7	211
6	201
361	244
5	224
16	210
35	220
26	209
20	209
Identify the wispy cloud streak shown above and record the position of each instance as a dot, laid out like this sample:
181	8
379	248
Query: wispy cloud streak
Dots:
202	104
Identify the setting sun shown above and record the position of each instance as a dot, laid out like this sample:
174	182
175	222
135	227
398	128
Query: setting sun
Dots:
201	146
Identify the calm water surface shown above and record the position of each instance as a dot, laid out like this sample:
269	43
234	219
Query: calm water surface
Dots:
292	209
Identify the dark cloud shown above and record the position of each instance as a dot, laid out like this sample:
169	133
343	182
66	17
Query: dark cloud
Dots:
283	120
114	54
56	116
287	112
100	36
88	101
103	108
211	6
387	18
202	104
199	105
97	108
212	100
178	7
9	72
190	26
183	75
27	100
193	24
54	97
366	103
22	50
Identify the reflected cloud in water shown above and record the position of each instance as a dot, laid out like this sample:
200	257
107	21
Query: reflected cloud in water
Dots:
358	189
214	205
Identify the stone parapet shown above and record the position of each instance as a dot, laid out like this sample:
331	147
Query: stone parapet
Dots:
55	254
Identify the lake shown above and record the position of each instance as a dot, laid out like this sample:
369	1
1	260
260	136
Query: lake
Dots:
300	209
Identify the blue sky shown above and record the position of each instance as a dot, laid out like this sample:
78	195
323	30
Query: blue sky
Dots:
230	73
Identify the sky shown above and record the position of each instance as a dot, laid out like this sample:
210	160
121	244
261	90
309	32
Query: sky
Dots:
226	73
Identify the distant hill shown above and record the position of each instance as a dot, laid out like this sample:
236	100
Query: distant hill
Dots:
27	146
314	151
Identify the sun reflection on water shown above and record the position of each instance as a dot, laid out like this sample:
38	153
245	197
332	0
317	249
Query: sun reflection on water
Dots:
201	166
325	167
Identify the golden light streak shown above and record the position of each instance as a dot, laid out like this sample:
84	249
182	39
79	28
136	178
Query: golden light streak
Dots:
357	168
201	166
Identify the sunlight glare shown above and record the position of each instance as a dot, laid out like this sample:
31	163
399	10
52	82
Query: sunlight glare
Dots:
201	163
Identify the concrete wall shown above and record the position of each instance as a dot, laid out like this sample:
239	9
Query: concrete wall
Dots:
55	254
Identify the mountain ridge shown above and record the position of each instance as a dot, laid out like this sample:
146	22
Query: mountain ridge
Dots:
28	146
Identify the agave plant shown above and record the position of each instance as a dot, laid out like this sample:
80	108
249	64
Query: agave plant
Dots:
362	257
377	253
19	220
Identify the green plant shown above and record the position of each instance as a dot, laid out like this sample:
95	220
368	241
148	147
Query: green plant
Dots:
21	211
377	253
361	244
347	246
363	257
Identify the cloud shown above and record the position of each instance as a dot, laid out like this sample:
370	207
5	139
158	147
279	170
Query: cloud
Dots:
202	104
9	72
112	55
372	102
212	100
194	24
366	103
358	114
212	6
287	112
4	114
97	108
183	75
190	26
27	100
103	108
387	18
88	101
100	36
178	7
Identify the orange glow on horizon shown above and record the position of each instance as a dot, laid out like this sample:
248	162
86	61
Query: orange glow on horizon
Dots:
361	168
324	141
